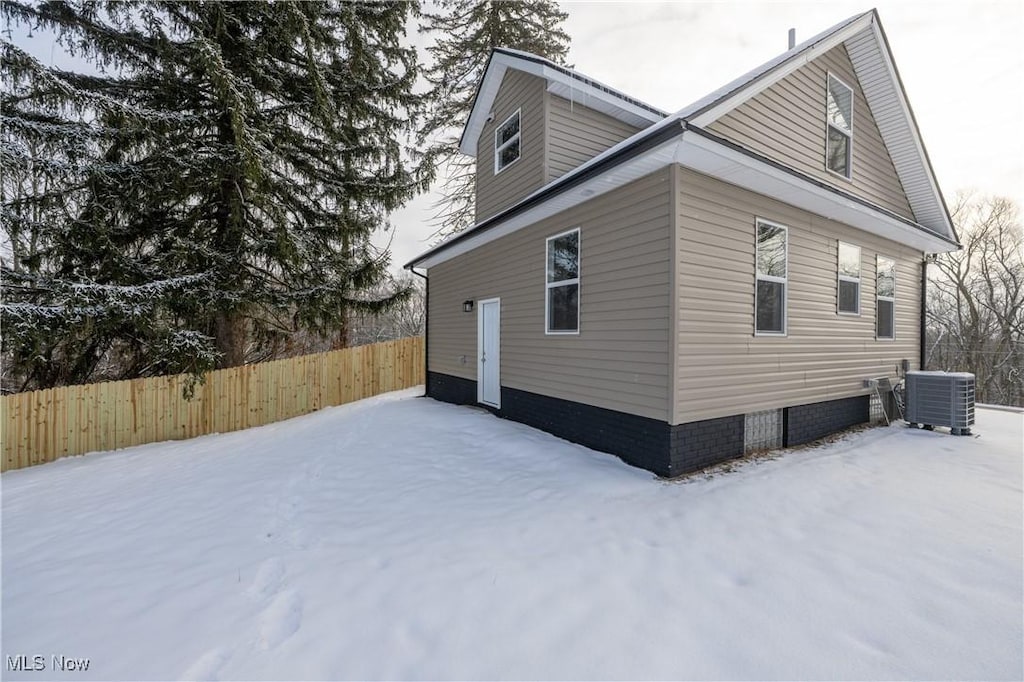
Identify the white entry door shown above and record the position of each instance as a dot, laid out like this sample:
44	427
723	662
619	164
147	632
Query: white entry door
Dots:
488	335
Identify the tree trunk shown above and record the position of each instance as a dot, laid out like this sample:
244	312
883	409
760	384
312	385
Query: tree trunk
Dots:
228	323
229	335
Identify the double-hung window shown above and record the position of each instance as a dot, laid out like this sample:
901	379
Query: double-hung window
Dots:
885	298
849	279
839	127
562	295
770	289
507	143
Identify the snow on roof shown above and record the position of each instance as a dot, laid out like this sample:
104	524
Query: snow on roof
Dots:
583	78
561	81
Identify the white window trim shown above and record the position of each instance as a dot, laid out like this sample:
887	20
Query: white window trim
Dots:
849	135
840	277
771	278
891	299
518	136
563	282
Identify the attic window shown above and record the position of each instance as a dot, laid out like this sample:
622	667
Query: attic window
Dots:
839	127
506	143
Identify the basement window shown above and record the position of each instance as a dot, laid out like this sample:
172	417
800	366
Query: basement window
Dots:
885	295
771	285
839	127
507	143
562	295
849	279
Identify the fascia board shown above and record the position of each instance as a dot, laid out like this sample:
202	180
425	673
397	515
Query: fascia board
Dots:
489	85
908	114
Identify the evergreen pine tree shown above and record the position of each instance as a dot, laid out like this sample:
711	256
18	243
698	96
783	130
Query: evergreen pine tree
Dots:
270	152
466	31
61	135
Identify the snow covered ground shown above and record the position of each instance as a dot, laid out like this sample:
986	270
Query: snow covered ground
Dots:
402	538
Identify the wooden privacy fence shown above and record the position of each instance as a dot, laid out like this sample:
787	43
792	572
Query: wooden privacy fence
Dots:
41	426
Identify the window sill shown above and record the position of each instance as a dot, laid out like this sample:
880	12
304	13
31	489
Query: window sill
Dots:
840	175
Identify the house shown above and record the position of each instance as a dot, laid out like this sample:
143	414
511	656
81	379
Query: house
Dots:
669	287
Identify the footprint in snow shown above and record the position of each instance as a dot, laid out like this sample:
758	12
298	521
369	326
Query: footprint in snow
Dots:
280	620
208	665
267	580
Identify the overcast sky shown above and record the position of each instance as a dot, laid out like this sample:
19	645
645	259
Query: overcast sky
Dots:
962	64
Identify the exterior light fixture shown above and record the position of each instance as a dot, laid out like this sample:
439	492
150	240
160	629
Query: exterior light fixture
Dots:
467	306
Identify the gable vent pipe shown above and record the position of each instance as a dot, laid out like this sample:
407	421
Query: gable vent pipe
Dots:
792	38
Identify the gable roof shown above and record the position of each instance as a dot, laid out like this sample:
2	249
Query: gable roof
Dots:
681	138
571	85
880	81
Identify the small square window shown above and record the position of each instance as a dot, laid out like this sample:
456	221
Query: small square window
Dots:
507	148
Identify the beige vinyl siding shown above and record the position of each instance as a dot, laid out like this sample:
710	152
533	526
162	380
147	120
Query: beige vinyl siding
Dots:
496	192
786	122
723	369
620	359
577	133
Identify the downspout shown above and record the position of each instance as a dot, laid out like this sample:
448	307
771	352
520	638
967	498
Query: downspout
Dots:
922	350
426	327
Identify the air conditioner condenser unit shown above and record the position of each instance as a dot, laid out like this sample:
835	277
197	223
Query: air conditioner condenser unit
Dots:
941	399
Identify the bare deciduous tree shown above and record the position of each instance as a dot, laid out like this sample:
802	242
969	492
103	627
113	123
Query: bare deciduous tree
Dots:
976	300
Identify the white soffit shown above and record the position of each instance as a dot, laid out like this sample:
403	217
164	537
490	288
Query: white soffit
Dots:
615	177
877	76
582	90
732	166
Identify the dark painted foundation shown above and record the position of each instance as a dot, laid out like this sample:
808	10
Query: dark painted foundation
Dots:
650	444
639	441
451	389
804	423
696	445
